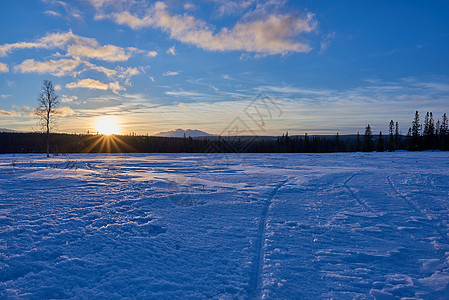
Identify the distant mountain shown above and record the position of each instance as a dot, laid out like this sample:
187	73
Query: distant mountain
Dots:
6	130
180	133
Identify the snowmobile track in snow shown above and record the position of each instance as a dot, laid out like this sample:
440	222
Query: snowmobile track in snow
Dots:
359	200
255	284
418	209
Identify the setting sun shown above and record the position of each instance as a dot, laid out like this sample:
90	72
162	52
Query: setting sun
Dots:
107	126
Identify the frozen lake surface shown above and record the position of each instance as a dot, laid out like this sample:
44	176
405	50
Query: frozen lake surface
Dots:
278	226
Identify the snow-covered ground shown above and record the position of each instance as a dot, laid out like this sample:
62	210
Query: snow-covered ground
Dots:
278	226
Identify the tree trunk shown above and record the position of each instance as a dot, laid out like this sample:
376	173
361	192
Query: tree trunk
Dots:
48	134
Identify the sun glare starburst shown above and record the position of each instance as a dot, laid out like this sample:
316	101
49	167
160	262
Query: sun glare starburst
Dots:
107	126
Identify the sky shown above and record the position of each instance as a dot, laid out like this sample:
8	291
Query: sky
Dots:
225	67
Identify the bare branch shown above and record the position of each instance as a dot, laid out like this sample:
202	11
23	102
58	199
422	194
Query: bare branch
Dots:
46	110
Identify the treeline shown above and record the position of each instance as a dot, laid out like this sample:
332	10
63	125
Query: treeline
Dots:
431	135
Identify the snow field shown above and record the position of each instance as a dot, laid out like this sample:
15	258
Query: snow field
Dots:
280	226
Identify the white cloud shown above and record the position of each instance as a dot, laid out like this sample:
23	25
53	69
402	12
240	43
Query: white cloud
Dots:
87	83
185	94
108	72
24	111
152	53
325	42
265	33
100	3
125	18
170	73
128	72
77	47
97	85
229	7
70	11
171	51
60	67
115	87
65	111
189	6
6	113
4	68
182	105
52	13
294	90
106	53
5	96
50	41
66	99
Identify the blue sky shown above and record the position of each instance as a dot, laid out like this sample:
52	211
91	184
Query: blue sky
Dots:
324	66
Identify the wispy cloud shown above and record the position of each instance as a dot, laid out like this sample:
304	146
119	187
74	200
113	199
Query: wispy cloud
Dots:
77	47
52	13
6	113
189	6
185	94
171	51
63	9
115	87
106	53
87	83
95	84
170	73
266	33
60	67
108	72
65	111
67	99
326	40
293	90
232	7
4	68
152	53
182	105
128	72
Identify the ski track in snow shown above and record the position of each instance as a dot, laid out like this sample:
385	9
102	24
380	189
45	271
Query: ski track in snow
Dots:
256	280
177	226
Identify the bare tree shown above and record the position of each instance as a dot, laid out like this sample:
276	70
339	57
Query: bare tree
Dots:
47	101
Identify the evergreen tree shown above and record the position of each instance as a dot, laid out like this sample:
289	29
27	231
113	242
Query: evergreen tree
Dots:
391	144
415	132
368	144
437	140
306	143
426	125
444	132
444	125
429	131
380	143
337	146
396	136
